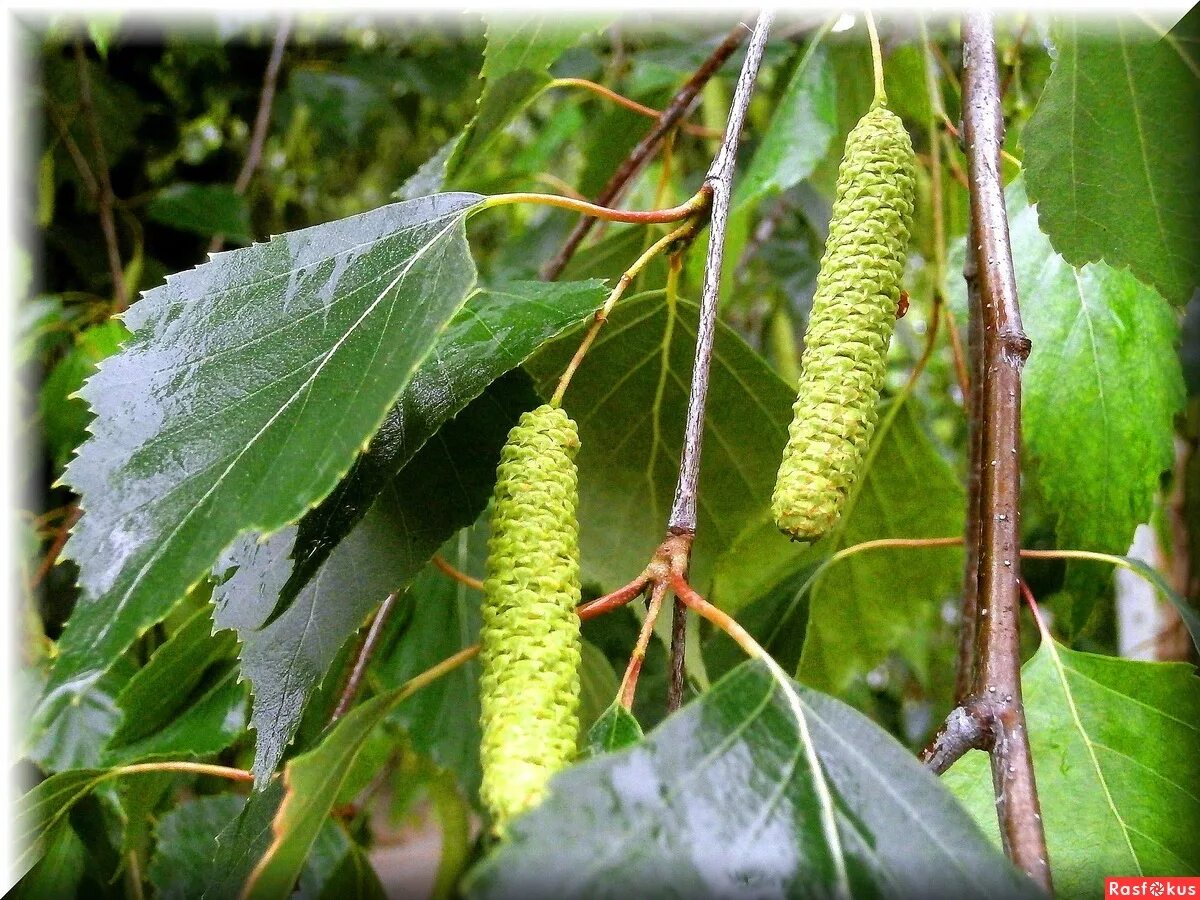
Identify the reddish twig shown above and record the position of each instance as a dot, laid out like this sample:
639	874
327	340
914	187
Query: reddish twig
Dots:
60	540
676	110
102	182
991	716
445	568
634	669
262	120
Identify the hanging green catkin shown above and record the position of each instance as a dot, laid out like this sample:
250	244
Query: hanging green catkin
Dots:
853	315
531	646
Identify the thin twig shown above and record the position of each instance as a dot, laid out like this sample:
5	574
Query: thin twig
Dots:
60	539
720	181
262	120
679	107
683	233
995	697
634	669
462	577
363	657
629	103
696	203
104	191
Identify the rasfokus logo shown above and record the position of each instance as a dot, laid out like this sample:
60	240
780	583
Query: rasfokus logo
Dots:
1151	887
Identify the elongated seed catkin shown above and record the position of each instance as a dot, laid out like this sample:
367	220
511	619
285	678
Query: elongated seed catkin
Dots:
853	315
531	647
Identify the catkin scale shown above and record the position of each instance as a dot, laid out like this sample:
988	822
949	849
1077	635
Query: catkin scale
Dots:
529	690
853	315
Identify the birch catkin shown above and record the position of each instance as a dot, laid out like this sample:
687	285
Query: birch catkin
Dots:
531	646
853	315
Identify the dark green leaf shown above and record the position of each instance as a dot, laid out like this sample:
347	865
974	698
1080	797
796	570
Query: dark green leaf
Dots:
616	729
1114	748
337	869
629	397
442	721
183	856
241	844
1110	152
160	691
314	782
722	800
57	874
228	409
44	808
442	489
203	209
495	332
598	684
77	730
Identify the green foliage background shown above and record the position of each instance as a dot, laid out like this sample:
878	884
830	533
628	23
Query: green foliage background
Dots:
369	111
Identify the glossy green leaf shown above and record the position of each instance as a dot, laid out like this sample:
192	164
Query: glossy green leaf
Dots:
615	729
227	411
442	489
75	735
875	602
495	332
1110	151
629	398
799	132
1114	748
721	801
203	209
1107	344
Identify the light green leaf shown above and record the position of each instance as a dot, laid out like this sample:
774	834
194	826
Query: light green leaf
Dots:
1110	151
629	398
1114	747
515	60
723	800
614	730
227	410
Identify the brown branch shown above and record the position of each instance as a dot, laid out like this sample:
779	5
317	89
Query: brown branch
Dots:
676	110
262	121
994	701
103	185
363	657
